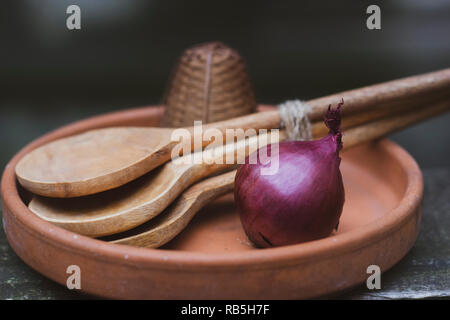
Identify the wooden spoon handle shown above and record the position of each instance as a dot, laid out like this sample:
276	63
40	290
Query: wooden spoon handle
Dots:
212	187
380	128
174	219
382	95
217	159
229	155
224	183
169	224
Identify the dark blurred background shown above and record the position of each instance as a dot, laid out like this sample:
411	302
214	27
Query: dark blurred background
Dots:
121	57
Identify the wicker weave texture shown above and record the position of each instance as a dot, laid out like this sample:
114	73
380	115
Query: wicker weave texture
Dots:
209	83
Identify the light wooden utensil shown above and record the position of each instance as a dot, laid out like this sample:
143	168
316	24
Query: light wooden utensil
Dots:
141	200
104	159
175	218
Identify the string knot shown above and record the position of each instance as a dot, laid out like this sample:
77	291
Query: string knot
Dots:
294	117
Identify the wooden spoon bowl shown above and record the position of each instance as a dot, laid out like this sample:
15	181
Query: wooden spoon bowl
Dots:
212	258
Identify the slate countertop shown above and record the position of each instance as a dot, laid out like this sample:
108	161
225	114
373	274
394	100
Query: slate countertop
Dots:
423	273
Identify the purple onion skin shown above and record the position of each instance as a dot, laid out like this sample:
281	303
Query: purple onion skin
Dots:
303	200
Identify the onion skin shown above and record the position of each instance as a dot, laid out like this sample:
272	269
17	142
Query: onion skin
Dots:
303	200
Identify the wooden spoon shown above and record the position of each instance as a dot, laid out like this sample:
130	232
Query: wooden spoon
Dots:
104	159
141	200
176	217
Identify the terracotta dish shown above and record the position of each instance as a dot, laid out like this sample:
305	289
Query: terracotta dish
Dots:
212	258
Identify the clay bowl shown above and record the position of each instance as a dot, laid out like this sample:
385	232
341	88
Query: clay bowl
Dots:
212	258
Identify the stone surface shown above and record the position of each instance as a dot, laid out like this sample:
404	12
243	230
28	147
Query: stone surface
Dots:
423	273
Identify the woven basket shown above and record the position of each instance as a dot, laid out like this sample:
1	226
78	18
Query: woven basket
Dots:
210	83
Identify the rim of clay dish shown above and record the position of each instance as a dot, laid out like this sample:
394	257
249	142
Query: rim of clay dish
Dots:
162	258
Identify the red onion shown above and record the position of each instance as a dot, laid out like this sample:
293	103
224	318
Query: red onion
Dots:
303	200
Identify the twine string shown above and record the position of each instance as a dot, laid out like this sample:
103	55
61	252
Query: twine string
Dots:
294	118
